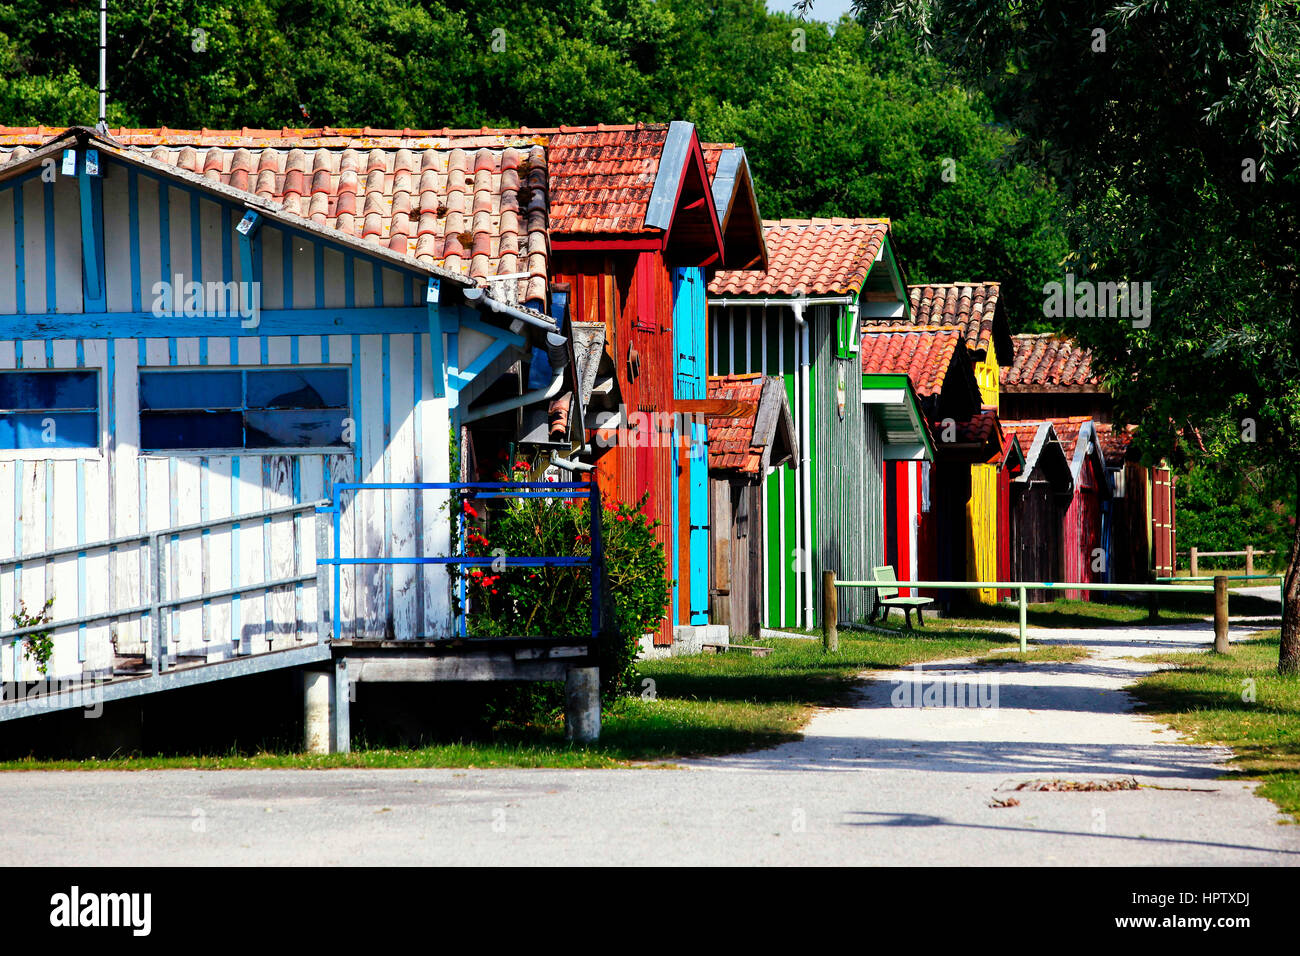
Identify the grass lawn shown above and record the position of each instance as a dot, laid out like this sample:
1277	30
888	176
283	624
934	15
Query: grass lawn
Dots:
694	706
1203	697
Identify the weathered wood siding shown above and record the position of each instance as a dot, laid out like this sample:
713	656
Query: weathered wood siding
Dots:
632	295
846	470
1082	529
1037	516
829	512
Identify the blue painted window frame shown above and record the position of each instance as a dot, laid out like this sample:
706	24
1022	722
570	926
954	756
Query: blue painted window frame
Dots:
80	430
240	410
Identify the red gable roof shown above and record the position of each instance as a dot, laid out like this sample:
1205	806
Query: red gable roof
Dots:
923	355
810	257
969	306
980	429
1049	363
602	180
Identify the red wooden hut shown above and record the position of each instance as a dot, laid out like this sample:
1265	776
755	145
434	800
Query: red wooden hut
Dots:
1085	555
636	227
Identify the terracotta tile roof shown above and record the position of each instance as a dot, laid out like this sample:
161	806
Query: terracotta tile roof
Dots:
1115	442
474	203
809	257
1046	362
923	355
980	429
731	440
713	155
1067	429
1038	439
970	306
602	180
1025	432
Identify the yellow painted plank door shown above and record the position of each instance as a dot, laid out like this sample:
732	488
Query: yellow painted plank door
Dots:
982	528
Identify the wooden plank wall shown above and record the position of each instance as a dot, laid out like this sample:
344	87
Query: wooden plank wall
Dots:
847	470
155	230
1037	524
764	339
49	503
981	520
632	296
1083	529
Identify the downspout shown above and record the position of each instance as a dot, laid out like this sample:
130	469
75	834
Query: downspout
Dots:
478	298
805	478
555	347
570	465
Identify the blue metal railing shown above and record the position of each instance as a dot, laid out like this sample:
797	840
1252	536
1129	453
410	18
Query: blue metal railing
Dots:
474	491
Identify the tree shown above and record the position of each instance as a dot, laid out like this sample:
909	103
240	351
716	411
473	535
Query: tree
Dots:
855	127
1171	128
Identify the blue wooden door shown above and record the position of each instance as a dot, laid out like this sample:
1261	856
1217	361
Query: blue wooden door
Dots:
689	316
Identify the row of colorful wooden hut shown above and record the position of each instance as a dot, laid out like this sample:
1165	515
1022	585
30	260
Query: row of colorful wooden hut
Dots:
921	435
599	301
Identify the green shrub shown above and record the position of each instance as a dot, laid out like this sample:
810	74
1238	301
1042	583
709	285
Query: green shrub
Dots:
508	600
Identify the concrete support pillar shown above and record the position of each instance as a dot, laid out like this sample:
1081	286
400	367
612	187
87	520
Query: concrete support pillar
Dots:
341	724
318	704
582	705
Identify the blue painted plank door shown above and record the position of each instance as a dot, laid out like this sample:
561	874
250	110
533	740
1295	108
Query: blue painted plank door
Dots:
689	325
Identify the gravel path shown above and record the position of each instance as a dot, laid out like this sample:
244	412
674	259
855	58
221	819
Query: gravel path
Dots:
869	784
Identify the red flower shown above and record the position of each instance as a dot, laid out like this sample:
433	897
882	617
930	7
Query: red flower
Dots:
469	510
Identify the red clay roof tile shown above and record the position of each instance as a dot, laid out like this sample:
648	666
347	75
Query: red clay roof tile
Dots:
1115	442
970	306
809	257
731	440
1046	362
602	181
924	355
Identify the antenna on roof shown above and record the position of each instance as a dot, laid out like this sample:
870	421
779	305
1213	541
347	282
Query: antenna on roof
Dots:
102	125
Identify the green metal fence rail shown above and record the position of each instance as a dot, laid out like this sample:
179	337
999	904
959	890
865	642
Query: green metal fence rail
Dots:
1219	589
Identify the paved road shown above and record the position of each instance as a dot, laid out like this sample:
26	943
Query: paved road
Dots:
869	784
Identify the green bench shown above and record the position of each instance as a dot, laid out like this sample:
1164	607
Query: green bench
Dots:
888	597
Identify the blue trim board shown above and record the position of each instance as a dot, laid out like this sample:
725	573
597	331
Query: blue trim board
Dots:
131	325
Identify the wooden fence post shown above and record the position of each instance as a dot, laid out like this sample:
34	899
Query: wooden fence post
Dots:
1250	559
830	613
1221	613
1193	562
